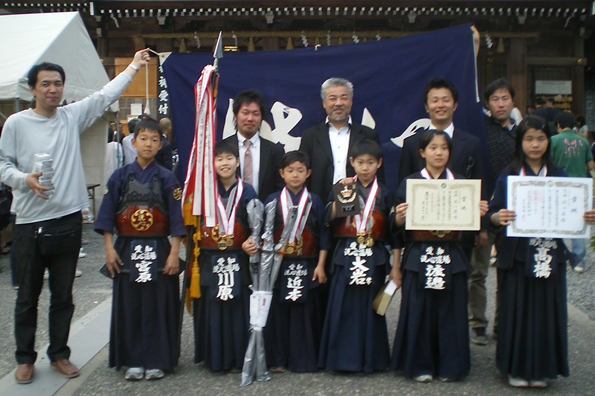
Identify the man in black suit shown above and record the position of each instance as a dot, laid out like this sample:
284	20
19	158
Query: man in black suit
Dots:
328	144
259	158
441	100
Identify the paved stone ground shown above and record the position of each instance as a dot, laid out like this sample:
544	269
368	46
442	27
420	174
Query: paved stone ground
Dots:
92	289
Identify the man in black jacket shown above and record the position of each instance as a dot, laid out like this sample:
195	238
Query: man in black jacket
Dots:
441	98
500	134
328	144
259	158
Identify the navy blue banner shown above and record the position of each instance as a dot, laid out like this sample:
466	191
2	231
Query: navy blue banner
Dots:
388	78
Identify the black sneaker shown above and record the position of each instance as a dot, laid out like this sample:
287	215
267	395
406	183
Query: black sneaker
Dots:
478	336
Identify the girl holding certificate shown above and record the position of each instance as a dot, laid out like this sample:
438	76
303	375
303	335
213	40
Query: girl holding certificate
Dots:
532	316
432	334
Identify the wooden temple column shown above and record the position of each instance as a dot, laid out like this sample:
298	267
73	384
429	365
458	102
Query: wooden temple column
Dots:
517	71
578	78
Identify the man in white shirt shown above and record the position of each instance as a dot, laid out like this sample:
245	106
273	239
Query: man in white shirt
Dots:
259	158
328	143
47	229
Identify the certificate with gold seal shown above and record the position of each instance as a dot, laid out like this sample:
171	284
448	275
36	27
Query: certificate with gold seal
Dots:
549	207
440	204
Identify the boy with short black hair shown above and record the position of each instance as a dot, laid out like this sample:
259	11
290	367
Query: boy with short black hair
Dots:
142	202
294	325
355	337
222	313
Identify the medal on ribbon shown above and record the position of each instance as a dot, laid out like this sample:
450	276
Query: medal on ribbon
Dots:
223	232
363	221
295	243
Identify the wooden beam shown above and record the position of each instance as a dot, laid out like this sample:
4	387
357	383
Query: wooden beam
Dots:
316	33
556	61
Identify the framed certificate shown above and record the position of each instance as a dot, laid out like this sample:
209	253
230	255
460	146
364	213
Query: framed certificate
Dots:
449	205
549	207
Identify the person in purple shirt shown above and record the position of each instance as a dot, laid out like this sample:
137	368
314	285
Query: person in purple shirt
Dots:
142	202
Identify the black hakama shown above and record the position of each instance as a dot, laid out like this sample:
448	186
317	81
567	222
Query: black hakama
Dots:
432	333
294	325
532	324
532	311
292	333
354	337
221	328
145	315
222	324
144	324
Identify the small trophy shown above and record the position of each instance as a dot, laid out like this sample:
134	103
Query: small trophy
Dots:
346	200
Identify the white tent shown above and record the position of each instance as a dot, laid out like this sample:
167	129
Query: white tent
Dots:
58	37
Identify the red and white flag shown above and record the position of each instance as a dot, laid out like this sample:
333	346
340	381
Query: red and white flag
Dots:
200	185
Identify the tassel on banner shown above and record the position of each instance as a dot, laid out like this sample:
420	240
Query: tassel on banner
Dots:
200	188
195	275
189	218
193	268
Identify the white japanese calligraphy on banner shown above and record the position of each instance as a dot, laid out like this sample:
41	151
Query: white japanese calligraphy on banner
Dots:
162	95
